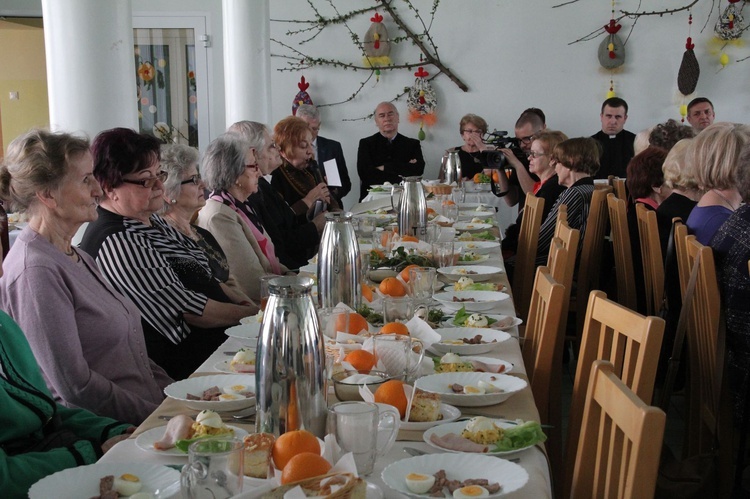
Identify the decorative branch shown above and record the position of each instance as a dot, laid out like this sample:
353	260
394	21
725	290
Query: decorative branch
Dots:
298	60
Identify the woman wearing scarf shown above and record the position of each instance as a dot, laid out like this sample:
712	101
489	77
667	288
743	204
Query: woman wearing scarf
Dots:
230	170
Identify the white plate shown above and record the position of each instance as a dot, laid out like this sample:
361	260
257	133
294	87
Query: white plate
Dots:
372	492
247	332
510	476
196	386
475	214
145	441
441	383
449	413
503	322
481	247
224	366
457	428
310	268
480	258
493	338
378	217
491	361
483	300
385	187
452	288
477	273
474	206
83	481
471	226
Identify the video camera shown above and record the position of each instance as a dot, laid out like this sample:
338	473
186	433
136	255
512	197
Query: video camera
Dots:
499	139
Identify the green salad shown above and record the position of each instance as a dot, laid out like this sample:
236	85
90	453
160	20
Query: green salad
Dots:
462	318
378	189
518	437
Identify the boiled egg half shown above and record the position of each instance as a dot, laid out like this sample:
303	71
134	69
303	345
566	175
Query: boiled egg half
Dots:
471	491
419	483
127	484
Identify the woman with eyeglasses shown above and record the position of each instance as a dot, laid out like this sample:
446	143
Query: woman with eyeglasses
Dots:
139	253
183	197
230	168
86	336
472	129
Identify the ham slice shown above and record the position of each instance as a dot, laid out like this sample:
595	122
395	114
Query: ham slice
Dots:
487	368
451	441
178	428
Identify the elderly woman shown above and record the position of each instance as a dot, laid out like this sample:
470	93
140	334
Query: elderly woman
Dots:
86	336
295	238
714	154
298	179
678	176
231	172
576	161
472	128
183	196
142	256
547	187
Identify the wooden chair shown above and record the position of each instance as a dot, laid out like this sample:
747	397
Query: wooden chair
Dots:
618	452
591	254
542	355
626	338
528	241
653	260
618	187
623	252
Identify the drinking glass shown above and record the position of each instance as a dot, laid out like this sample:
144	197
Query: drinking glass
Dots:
400	355
442	253
450	212
397	309
422	283
214	469
356	427
432	233
459	195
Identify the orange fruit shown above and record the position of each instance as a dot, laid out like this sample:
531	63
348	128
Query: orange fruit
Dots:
395	328
477	178
448	202
405	273
495	176
303	466
367	292
392	287
409	239
376	254
292	443
430	211
356	323
361	360
392	393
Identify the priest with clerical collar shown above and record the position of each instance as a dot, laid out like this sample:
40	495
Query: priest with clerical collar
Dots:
616	142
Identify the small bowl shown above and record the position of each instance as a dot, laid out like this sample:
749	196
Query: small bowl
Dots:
350	391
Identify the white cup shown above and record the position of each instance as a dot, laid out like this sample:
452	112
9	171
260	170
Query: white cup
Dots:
362	429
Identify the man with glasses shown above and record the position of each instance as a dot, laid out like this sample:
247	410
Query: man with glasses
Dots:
326	149
616	142
387	156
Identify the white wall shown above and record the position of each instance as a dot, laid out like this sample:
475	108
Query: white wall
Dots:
513	54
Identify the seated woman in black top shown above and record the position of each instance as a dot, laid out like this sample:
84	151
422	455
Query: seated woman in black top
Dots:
472	128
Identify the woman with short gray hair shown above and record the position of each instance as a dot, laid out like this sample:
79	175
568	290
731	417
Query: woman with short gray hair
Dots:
183	197
231	172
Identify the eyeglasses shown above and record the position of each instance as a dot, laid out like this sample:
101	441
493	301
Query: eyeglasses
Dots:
534	154
473	131
195	179
252	167
526	140
150	182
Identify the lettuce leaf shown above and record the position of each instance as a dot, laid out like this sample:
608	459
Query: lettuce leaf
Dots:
518	437
462	316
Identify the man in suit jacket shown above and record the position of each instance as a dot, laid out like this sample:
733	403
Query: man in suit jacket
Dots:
387	156
326	149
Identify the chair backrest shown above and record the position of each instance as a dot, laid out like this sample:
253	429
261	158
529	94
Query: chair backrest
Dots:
591	254
702	337
623	252
653	260
528	242
631	341
618	452
680	243
562	215
618	187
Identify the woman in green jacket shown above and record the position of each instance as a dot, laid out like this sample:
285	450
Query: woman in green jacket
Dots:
38	437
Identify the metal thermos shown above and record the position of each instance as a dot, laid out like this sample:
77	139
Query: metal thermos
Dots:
451	168
339	266
412	210
290	378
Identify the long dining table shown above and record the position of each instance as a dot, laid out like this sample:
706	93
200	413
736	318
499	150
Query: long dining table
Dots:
519	406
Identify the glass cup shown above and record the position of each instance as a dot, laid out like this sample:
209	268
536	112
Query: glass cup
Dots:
264	280
366	226
400	355
442	253
458	194
432	232
397	309
214	469
357	428
422	283
450	212
383	241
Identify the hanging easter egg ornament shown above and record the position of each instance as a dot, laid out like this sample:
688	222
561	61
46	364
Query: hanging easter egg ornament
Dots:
422	103
611	50
302	96
730	25
687	76
377	45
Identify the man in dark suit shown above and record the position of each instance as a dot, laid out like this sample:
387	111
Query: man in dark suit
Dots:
387	156
326	149
616	142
